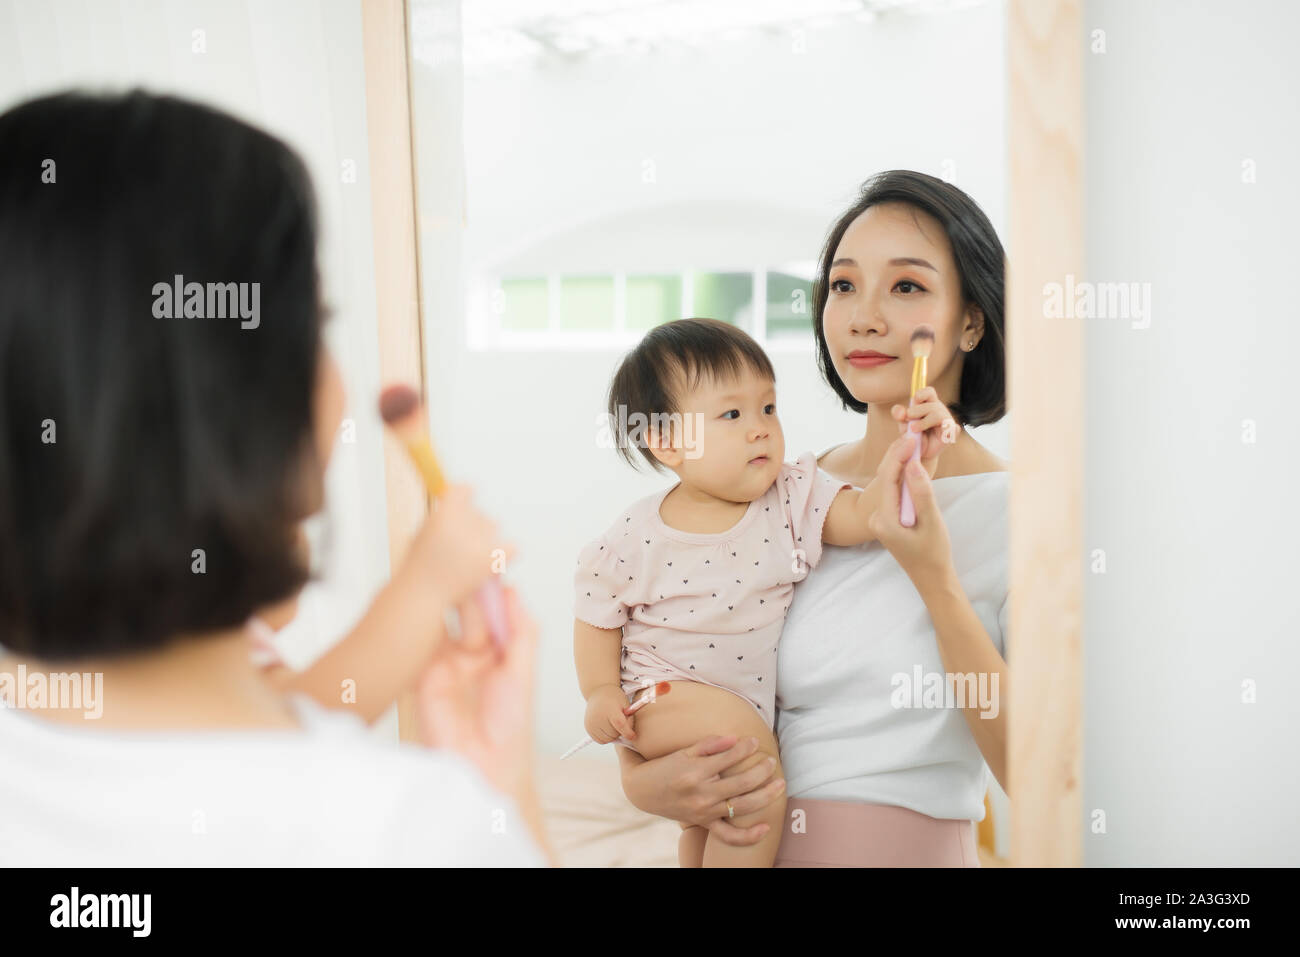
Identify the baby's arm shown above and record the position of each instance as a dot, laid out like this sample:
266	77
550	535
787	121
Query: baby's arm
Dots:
597	652
848	520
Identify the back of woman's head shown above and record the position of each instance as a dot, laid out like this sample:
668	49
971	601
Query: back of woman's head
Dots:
154	469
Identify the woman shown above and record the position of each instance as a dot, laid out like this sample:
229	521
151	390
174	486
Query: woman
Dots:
157	466
874	779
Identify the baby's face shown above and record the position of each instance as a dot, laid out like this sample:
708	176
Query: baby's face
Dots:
738	446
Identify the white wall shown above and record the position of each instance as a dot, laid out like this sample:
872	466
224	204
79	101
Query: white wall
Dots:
295	68
1198	526
742	133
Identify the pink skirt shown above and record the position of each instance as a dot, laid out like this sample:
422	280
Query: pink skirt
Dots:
850	834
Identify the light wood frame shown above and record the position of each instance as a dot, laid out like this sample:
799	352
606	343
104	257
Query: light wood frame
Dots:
397	276
1045	231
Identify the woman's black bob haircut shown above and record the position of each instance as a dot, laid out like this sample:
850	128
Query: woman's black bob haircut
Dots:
672	360
155	470
980	263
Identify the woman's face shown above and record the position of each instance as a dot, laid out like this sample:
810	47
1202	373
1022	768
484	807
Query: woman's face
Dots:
892	271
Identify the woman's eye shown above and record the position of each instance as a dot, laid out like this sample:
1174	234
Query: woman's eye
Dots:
841	285
908	282
728	413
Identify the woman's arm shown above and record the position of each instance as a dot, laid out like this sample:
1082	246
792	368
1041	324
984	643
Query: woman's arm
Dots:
966	649
925	553
692	785
452	553
380	656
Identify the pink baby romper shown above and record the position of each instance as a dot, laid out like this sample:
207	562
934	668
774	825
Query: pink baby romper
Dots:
707	607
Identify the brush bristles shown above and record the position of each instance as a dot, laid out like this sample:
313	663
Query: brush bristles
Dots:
922	341
397	402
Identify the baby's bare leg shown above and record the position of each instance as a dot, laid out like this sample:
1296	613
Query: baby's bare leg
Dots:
762	854
692	711
690	846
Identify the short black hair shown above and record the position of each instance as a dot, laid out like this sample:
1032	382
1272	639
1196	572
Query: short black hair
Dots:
130	441
981	264
671	360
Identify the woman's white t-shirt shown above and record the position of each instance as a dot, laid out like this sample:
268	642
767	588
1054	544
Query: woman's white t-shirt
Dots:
327	795
856	639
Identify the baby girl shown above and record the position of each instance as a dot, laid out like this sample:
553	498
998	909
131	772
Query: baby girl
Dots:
691	584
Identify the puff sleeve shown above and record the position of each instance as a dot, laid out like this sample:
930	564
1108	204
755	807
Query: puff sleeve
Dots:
597	590
806	495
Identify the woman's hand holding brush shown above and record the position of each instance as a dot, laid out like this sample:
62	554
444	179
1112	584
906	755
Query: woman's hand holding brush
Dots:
403	412
922	549
456	550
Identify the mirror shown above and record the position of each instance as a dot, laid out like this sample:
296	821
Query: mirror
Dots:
586	172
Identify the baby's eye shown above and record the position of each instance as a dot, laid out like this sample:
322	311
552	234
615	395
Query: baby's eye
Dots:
770	408
728	413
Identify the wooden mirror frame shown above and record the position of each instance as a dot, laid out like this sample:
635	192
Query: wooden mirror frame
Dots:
1044	72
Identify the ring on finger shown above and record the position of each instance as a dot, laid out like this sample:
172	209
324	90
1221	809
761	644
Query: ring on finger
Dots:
731	811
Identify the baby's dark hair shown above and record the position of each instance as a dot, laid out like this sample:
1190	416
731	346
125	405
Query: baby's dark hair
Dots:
669	362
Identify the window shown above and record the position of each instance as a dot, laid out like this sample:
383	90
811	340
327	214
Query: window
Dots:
587	302
523	304
565	311
651	301
789	305
728	296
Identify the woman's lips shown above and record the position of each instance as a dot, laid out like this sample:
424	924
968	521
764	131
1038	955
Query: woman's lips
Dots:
868	360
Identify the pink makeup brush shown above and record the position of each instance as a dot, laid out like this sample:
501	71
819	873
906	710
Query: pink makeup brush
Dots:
922	343
401	409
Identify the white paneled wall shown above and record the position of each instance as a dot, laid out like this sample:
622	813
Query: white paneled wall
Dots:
293	67
1190	618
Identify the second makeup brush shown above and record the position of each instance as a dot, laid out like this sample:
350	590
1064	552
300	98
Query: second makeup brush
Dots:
402	410
922	343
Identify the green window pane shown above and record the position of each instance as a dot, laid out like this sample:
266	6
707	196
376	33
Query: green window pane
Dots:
789	305
723	295
523	304
651	301
587	302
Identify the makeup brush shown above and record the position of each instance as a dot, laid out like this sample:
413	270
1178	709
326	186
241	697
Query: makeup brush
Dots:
662	688
401	409
922	343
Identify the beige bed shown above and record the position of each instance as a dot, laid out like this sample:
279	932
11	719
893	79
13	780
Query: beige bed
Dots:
592	824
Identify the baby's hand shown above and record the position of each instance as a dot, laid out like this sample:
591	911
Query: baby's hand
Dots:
932	419
605	720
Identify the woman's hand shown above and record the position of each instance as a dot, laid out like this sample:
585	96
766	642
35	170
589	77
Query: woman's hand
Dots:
456	549
693	786
478	702
930	417
924	550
